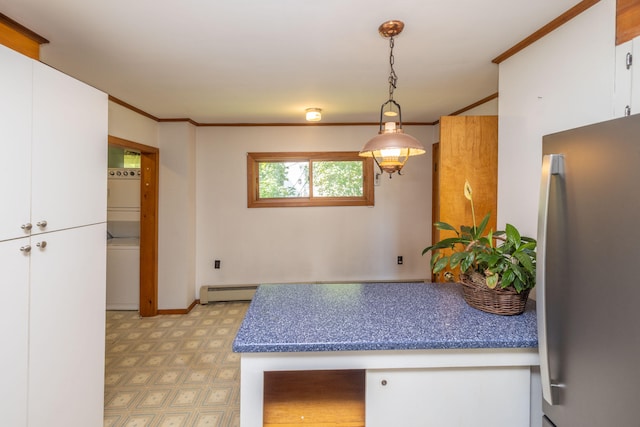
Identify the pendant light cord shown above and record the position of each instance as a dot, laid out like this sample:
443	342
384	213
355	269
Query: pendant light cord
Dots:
393	77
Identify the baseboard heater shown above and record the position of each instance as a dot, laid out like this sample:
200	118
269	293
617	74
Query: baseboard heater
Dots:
226	293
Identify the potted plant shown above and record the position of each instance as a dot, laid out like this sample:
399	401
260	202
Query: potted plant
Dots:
497	269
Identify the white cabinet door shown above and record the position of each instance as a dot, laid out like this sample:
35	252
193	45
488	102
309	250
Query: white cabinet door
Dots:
448	397
627	78
622	87
15	142
14	330
69	151
66	357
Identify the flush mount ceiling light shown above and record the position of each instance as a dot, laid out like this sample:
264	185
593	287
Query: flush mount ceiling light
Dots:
313	114
391	147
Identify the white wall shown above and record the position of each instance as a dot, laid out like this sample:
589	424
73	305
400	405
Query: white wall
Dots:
266	245
127	124
203	214
562	81
176	215
489	108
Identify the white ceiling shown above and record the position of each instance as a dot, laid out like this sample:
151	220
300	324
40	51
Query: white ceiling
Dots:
265	61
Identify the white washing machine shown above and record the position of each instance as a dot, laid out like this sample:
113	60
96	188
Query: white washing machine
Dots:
123	273
123	239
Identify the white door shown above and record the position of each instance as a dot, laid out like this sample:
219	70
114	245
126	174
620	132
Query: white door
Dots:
66	360
15	142
69	151
14	330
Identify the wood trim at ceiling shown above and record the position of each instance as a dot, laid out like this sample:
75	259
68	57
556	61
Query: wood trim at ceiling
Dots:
19	38
193	122
560	20
149	186
132	108
475	104
627	20
310	124
472	106
4	19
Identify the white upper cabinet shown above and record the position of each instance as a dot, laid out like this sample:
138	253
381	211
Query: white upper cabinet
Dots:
15	142
627	79
53	136
69	147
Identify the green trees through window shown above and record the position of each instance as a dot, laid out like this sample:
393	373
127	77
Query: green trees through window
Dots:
309	179
283	179
338	179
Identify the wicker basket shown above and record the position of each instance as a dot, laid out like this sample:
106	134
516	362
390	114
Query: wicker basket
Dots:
506	302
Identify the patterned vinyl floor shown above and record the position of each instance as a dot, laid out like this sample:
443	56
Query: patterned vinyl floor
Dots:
173	370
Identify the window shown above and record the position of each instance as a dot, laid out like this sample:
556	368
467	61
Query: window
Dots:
309	179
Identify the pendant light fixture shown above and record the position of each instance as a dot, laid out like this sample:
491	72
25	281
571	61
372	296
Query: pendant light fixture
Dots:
391	147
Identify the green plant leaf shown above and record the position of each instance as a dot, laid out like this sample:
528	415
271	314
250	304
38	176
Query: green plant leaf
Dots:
482	226
513	236
525	261
445	244
492	281
490	259
444	226
467	261
507	278
434	258
519	272
440	264
456	258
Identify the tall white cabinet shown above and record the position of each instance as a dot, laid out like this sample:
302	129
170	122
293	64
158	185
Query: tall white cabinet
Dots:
53	135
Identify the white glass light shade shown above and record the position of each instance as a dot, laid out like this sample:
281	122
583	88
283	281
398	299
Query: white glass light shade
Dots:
313	114
391	150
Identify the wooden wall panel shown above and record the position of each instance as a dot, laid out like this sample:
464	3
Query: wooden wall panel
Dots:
627	20
468	150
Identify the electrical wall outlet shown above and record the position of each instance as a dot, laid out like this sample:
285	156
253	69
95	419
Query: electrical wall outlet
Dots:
216	263
399	259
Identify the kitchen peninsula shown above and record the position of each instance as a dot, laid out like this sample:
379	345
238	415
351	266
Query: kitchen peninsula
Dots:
424	356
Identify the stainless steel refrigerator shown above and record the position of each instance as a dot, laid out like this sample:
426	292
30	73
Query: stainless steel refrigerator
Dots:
588	278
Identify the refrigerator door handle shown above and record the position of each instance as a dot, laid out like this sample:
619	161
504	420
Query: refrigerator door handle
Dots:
552	164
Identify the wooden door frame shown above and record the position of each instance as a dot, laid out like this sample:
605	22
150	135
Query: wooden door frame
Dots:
150	166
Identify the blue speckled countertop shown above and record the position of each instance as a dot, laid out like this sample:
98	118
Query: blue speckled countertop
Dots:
375	316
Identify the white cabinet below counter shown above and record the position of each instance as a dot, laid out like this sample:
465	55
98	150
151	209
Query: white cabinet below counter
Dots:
492	396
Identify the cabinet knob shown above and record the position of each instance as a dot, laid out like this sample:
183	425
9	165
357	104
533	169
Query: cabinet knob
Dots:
27	226
25	249
42	244
41	224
